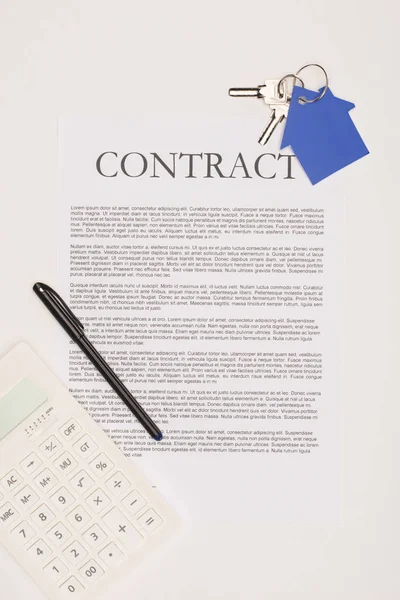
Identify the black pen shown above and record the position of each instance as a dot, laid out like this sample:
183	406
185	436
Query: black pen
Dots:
75	330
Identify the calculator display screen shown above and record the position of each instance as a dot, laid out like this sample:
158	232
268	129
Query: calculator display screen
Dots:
18	404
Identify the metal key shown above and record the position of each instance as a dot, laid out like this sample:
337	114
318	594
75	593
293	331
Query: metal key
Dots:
275	95
279	113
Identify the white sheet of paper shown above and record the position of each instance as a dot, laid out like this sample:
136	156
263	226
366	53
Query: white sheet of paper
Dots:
213	292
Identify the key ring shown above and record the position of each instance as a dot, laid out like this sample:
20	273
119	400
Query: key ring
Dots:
291	76
321	94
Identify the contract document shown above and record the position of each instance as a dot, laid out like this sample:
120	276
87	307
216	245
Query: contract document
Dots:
206	271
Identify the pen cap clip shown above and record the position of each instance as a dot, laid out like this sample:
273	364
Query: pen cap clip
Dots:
42	288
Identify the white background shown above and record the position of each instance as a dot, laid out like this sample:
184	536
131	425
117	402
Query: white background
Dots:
92	57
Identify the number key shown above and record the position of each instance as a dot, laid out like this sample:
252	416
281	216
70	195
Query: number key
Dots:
62	499
59	534
91	571
23	533
43	516
79	518
56	569
75	553
94	536
73	587
40	551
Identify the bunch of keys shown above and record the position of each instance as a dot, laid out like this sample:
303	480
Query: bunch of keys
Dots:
275	95
324	139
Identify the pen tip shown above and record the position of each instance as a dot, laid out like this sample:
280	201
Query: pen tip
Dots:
158	437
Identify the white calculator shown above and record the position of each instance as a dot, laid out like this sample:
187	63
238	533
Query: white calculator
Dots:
74	511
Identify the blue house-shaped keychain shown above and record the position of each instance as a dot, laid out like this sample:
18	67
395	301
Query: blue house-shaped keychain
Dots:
322	133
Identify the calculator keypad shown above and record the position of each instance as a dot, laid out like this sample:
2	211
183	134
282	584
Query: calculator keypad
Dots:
40	551
118	483
66	463
26	498
8	514
98	500
82	482
85	447
62	499
56	569
31	463
111	554
50	446
11	481
69	494
59	534
70	429
43	516
101	465
73	587
122	528
23	533
79	517
91	571
95	536
75	553
46	481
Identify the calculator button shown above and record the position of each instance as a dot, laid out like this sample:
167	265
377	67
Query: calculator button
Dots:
72	587
46	480
98	500
43	516
70	429
85	447
66	463
79	518
118	483
82	482
40	551
95	536
26	497
11	480
8	514
91	571
75	553
56	569
150	521
50	446
31	463
122	528
101	465
62	499
59	534
111	554
23	533
134	502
